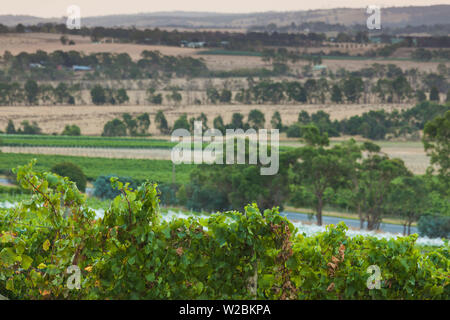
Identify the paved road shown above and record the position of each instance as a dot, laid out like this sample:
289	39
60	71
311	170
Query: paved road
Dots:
4	181
388	227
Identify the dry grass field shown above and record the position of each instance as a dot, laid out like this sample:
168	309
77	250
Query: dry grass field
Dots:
31	42
411	152
91	119
227	62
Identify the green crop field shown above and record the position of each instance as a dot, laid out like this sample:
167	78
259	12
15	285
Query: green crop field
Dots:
9	140
82	141
137	169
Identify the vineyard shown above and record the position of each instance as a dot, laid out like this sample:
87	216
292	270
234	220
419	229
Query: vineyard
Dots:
132	253
244	158
83	142
137	169
9	140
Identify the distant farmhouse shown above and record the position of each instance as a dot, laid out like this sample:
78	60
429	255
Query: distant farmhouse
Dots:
192	44
36	65
107	40
319	67
81	68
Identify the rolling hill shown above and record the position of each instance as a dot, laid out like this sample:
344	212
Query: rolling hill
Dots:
391	17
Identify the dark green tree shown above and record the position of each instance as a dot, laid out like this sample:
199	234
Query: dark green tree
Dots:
436	140
276	122
312	136
182	123
237	121
225	96
31	91
130	123
336	94
353	87
10	129
71	130
114	128
61	93
161	122
378	171
256	119
420	96
122	96
213	95
175	96
28	128
202	118
294	130
143	123
296	92
320	171
218	124
222	186
434	94
73	172
104	190
98	95
152	97
304	118
408	198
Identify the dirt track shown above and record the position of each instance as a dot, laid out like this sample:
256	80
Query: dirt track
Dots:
157	154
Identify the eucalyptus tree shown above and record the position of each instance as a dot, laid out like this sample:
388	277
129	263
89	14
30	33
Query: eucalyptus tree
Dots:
408	198
319	170
256	119
378	171
31	91
143	123
161	122
436	140
276	121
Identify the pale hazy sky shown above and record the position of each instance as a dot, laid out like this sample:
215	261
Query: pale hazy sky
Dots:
57	8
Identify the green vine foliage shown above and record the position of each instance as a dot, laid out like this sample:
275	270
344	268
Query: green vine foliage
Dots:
132	253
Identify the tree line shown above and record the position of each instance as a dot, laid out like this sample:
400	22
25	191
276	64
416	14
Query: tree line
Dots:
127	126
33	128
375	124
351	176
58	65
232	40
270	35
31	93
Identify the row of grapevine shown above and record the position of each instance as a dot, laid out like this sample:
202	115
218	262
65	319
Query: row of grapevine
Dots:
131	253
